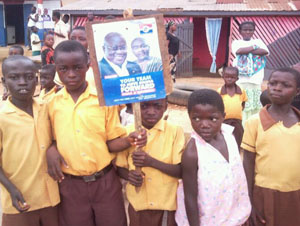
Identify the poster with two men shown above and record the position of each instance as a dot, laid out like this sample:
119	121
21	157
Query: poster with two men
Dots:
127	58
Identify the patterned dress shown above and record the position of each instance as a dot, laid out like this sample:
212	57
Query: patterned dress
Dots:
222	188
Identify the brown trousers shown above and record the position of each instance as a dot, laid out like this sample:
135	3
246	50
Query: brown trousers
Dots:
42	217
97	203
150	217
277	208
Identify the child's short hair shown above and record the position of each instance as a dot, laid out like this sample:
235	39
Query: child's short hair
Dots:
20	48
56	14
264	98
246	22
45	36
206	96
81	28
70	46
292	71
232	69
15	58
49	67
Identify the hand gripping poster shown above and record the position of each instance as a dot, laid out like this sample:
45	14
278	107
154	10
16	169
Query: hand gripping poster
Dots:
129	59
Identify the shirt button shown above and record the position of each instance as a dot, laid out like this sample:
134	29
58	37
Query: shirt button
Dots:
83	154
42	147
78	131
151	204
149	179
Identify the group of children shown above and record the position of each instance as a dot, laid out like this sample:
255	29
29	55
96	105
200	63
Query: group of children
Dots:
62	154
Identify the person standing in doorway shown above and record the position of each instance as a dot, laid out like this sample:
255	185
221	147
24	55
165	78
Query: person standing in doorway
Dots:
32	19
173	46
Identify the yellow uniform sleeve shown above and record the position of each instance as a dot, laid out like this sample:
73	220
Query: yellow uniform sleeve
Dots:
178	146
114	128
250	134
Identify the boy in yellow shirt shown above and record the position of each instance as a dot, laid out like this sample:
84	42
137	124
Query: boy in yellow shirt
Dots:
234	99
160	160
48	87
85	135
29	196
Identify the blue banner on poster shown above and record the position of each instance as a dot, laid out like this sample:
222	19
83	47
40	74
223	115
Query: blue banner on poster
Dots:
134	88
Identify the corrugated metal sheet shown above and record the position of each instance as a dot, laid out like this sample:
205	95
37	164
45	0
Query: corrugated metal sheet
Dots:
183	5
280	34
81	21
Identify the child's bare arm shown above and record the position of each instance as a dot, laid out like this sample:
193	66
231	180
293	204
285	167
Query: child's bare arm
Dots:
17	198
142	159
260	52
189	164
54	161
249	165
253	50
36	42
122	143
134	177
243	105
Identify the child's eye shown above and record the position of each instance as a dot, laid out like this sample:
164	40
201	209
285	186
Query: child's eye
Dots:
62	69
78	67
196	119
214	119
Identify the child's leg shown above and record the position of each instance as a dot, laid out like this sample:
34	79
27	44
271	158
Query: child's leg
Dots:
30	218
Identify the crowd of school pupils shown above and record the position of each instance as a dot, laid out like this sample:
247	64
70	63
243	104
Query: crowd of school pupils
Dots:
62	156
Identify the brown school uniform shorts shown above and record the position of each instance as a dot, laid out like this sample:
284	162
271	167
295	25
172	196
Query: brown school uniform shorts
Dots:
47	216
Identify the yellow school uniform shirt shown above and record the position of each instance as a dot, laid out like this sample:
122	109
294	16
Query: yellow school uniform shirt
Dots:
277	151
47	96
24	140
158	192
233	104
81	130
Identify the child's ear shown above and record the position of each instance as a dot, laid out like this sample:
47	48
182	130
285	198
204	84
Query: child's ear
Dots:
3	79
298	90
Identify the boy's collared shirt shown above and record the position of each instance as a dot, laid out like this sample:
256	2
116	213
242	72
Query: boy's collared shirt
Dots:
233	104
47	96
158	192
24	141
82	129
277	151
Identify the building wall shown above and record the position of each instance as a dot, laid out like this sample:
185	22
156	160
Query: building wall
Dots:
201	56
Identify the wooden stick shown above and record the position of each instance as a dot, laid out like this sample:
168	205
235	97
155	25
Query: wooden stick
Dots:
136	107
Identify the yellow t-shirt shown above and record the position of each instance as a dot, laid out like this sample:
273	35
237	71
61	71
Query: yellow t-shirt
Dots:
158	192
277	151
47	96
81	130
233	104
24	141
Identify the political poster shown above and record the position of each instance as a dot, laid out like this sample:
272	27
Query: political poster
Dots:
130	60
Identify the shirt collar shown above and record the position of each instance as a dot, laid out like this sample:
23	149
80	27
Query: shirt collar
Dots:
267	121
9	107
88	91
224	90
160	125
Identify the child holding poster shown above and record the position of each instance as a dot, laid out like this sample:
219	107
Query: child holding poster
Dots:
160	160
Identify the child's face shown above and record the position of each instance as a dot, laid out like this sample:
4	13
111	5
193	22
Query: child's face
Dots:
49	40
206	120
14	51
79	36
71	68
35	29
247	31
20	79
46	78
282	88
152	111
230	77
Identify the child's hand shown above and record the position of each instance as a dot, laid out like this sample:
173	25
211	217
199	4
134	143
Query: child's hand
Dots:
256	218
18	200
141	159
54	161
135	178
138	139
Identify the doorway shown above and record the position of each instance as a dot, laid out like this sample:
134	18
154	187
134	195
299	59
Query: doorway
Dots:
14	24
